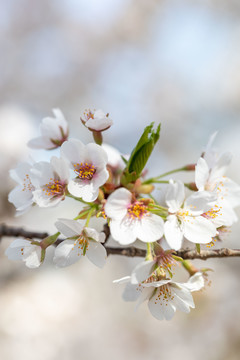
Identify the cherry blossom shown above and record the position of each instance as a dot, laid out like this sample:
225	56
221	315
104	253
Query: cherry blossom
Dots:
50	181
22	195
226	190
89	164
54	131
131	219
80	241
96	120
164	295
24	250
186	218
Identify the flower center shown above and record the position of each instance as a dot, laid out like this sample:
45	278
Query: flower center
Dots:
82	245
137	210
183	213
84	171
164	295
54	188
27	185
213	212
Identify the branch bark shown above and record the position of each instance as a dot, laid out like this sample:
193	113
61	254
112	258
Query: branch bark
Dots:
9	231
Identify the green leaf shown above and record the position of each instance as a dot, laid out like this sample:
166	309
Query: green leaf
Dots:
142	151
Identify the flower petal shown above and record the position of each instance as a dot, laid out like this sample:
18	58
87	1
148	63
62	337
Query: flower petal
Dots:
173	233
66	253
149	228
142	271
199	229
96	253
175	195
117	203
201	173
69	228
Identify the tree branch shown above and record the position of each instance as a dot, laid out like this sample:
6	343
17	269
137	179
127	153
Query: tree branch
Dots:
9	231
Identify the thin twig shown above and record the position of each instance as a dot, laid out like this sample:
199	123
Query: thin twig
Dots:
9	231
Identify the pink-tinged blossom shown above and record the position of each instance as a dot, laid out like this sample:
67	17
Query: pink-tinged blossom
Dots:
96	120
89	164
25	251
80	241
164	295
186	218
54	131
50	181
131	219
22	195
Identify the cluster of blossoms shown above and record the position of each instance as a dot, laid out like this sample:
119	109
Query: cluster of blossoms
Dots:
115	188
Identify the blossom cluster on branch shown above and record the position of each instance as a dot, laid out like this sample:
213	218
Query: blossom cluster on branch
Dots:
117	189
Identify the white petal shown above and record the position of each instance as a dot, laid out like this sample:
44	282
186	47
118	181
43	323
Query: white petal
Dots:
123	280
173	233
69	227
145	293
60	169
221	166
73	150
149	228
99	178
183	294
131	293
41	142
96	155
66	253
201	173
83	190
142	271
161	309
117	203
32	260
200	202
43	200
195	282
199	229
14	251
96	253
41	173
94	234
123	232
175	196
21	199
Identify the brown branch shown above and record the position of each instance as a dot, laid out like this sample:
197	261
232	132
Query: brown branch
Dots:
6	230
9	231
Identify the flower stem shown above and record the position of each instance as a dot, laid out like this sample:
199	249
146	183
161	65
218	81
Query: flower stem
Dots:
149	252
91	211
97	135
156	179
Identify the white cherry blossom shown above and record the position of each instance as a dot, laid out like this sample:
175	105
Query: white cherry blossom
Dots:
80	241
186	218
213	180
25	251
22	195
50	181
96	120
131	219
164	295
89	164
54	131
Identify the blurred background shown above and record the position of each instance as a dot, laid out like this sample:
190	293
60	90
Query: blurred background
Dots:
174	62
